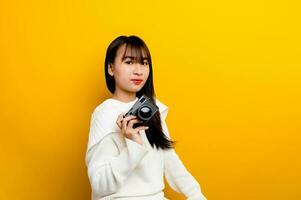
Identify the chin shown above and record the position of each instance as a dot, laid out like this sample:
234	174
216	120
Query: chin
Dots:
137	89
131	89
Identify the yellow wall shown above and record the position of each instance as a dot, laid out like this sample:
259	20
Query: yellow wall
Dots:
228	70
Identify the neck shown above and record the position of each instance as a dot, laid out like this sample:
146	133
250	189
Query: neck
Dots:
124	96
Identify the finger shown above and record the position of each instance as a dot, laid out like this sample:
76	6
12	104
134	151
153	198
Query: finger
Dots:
139	128
120	115
132	122
129	117
123	125
118	123
119	118
124	122
126	119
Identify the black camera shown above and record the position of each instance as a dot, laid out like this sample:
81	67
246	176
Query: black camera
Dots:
144	109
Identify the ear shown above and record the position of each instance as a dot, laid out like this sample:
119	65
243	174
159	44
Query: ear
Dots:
110	69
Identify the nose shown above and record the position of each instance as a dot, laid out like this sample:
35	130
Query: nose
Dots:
137	69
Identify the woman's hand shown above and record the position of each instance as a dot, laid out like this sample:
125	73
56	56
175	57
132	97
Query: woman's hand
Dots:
127	130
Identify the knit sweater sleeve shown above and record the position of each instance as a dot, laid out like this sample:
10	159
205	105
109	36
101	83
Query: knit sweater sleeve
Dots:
177	176
108	166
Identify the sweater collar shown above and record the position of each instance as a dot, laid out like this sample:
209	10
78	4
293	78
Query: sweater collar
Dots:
121	102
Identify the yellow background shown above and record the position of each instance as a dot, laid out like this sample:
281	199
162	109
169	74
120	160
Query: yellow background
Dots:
228	70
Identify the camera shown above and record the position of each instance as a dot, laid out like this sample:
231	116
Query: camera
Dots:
144	109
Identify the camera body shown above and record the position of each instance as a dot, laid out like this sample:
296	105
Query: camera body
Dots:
144	109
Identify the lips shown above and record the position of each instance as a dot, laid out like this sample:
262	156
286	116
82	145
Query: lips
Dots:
137	81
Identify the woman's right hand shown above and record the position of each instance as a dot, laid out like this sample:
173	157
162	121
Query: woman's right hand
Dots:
127	130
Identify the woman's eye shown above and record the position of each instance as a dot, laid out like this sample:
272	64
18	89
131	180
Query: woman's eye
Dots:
145	63
128	62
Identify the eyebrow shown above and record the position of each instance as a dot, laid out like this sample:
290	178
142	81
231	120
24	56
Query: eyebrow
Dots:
132	57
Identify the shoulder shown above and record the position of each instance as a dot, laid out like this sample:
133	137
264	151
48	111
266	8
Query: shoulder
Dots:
105	114
108	110
163	108
103	107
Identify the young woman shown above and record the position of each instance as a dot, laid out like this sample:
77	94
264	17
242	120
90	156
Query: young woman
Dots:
129	163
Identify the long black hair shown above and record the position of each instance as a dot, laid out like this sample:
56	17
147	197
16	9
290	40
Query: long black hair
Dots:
154	134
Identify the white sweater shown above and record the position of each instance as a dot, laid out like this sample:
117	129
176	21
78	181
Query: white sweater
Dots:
121	168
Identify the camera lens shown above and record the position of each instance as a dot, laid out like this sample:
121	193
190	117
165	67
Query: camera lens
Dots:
145	112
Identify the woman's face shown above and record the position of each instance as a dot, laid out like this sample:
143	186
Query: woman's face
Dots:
130	76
